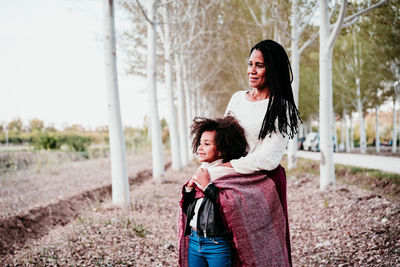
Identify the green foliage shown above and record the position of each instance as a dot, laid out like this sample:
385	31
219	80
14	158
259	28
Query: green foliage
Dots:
36	125
47	141
374	173
309	86
52	141
77	142
15	125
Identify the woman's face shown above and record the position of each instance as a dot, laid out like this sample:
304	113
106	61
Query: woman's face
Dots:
256	70
207	150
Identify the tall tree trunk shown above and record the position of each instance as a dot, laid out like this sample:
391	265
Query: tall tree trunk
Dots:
342	131
183	145
295	58
377	142
188	105
348	147
363	143
173	126
119	174
198	102
327	176
335	133
155	127
394	139
351	132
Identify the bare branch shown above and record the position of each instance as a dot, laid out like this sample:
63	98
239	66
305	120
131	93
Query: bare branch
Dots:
350	18
308	42
253	14
332	10
144	12
306	23
350	23
338	25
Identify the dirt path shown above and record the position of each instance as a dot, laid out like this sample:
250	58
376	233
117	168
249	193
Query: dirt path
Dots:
383	163
345	226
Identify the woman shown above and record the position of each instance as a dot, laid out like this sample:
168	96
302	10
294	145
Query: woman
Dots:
269	116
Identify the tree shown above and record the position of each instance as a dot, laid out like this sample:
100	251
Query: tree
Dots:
173	126
120	183
155	127
300	19
15	125
327	40
36	125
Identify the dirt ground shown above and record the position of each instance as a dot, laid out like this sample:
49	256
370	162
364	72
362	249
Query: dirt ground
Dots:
342	226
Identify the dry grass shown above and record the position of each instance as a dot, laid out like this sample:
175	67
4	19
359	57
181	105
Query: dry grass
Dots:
54	180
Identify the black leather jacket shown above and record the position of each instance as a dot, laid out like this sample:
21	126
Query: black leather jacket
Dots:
209	219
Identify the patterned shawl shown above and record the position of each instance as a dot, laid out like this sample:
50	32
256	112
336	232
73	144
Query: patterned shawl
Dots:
255	211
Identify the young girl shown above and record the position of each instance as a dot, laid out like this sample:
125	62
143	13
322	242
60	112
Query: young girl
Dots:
215	142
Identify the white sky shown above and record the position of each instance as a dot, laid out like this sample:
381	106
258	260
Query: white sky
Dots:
52	68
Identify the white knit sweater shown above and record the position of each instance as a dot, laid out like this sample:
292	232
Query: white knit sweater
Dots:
263	154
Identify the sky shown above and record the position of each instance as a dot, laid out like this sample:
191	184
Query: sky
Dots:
52	65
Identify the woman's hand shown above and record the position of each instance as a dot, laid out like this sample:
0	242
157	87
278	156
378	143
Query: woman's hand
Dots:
201	178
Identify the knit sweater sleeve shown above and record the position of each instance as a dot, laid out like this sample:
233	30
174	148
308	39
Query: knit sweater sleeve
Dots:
266	156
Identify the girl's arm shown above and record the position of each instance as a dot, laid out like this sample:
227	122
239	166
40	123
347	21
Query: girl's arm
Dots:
188	195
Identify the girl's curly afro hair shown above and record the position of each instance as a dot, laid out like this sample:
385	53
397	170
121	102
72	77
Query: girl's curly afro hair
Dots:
230	139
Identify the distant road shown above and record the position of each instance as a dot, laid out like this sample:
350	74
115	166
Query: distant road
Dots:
387	164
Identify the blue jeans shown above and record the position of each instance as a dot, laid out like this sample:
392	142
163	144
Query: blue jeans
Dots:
215	251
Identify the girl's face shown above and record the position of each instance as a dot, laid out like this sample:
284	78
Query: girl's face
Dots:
207	150
256	70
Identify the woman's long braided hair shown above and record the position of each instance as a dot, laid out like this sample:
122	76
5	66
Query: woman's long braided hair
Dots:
281	103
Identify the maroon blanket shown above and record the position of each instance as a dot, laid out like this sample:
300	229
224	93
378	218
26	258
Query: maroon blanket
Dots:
256	214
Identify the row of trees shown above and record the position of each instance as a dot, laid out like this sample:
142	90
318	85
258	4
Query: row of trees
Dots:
74	137
198	49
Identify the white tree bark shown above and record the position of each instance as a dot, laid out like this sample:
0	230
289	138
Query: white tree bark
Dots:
183	145
348	147
363	142
377	142
155	127
188	106
172	123
296	32
295	58
327	39
343	131
119	174
351	133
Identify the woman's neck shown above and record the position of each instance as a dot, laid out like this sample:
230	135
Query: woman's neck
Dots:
258	94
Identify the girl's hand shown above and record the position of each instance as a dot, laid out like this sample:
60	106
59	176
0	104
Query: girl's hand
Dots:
190	183
201	178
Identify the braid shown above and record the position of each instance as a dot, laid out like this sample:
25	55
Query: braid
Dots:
281	104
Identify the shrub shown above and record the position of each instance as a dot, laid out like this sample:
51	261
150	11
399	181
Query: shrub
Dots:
51	141
78	143
46	141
